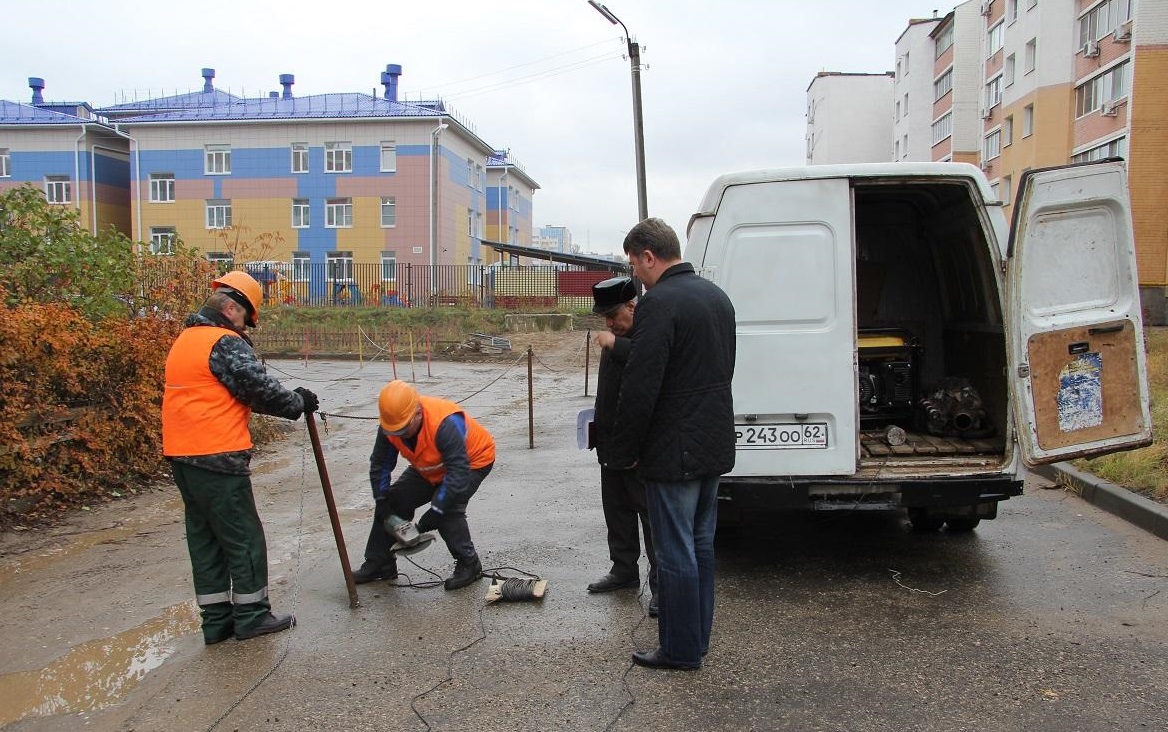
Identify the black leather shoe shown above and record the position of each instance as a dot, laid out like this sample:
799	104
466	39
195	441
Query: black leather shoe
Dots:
466	571
270	624
610	582
653	607
372	571
656	658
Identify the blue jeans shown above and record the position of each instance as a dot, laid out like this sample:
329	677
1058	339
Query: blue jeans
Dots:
684	516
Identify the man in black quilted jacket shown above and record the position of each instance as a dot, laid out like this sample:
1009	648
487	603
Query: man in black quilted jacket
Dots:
675	423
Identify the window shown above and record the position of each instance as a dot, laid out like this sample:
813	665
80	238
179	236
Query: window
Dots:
58	189
218	214
1106	87
943	85
906	63
1007	131
1011	10
1104	18
224	261
161	188
943	128
996	36
301	213
340	266
1028	120
896	151
993	146
162	240
1030	56
301	266
1005	189
470	172
389	157
944	41
217	159
338	157
1008	70
896	115
994	92
1114	148
388	211
5	163
470	222
338	213
389	266
300	157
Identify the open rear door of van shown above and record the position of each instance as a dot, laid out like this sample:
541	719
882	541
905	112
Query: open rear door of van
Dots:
1078	376
782	250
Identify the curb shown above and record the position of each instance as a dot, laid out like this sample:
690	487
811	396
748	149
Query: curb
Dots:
1132	507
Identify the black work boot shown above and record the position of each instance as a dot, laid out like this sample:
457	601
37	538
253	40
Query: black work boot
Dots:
466	571
270	624
376	569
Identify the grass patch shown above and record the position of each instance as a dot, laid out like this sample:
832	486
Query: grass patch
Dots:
1143	470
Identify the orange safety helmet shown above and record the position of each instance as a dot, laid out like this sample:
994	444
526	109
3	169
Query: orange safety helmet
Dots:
246	285
396	405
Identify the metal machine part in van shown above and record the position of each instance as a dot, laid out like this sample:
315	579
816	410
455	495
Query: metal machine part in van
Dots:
902	346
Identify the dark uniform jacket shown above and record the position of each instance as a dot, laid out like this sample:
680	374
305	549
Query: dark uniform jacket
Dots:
608	383
675	416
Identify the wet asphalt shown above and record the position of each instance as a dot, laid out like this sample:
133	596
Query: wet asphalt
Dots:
1053	617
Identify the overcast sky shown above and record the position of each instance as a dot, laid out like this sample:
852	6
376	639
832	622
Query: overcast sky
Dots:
724	88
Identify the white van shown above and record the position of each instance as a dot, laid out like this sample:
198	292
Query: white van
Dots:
900	345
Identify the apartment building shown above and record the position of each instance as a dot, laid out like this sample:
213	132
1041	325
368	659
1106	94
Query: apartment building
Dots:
956	78
913	85
849	118
314	184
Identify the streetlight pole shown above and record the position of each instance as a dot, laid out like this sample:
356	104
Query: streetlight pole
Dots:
434	210
638	126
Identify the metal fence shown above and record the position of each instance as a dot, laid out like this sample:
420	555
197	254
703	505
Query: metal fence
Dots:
420	285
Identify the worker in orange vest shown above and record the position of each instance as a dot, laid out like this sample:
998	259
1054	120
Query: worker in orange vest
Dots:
449	455
213	383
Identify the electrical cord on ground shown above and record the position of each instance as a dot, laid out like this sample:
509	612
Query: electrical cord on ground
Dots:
632	699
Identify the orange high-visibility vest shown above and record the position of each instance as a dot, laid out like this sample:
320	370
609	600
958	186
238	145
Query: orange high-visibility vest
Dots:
426	459
199	415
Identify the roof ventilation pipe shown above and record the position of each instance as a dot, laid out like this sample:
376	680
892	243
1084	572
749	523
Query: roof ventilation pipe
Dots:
286	81
37	85
389	79
208	76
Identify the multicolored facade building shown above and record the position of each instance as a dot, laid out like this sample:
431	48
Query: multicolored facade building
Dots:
318	183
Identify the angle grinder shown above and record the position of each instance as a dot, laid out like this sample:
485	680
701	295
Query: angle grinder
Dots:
409	540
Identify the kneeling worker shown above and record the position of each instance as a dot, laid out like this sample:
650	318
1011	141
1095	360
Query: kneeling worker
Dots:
449	455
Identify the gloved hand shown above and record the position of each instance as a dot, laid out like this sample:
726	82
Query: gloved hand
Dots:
311	403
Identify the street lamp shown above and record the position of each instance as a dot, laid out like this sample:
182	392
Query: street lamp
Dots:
434	210
638	127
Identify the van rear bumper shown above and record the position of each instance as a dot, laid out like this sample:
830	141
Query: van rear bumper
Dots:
776	494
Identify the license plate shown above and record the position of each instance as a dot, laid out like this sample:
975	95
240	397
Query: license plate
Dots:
781	436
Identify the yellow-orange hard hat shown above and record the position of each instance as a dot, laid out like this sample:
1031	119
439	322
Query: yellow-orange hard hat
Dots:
396	405
244	284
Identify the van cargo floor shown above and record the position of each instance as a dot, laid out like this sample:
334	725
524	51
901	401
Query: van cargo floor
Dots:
874	443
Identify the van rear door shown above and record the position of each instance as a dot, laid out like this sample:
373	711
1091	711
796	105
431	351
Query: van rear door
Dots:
782	251
1078	377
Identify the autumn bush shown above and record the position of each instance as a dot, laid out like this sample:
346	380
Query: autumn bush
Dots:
87	322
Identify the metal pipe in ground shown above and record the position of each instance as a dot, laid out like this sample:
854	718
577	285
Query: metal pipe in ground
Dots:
530	404
327	487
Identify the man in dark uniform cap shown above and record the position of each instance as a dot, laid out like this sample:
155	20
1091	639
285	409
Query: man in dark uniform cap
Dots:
622	493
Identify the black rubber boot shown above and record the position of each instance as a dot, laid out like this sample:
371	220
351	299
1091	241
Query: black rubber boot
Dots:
466	571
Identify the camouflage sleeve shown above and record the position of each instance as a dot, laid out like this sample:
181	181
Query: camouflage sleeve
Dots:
238	368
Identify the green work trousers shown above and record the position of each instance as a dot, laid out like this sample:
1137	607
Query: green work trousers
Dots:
229	555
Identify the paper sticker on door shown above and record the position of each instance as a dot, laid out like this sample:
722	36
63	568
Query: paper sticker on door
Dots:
1080	395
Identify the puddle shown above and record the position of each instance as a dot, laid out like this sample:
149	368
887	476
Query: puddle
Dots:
96	674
